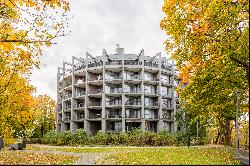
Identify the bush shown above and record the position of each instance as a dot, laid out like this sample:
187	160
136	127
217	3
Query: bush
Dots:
123	138
65	138
50	138
112	139
100	138
135	137
80	137
164	138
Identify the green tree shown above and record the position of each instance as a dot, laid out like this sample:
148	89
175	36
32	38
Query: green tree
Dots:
209	40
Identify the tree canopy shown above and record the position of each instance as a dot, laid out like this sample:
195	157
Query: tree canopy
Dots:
26	26
210	42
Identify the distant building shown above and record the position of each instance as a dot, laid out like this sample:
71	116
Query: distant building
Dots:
116	92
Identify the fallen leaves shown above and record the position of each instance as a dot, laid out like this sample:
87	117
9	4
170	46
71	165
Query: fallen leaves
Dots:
8	157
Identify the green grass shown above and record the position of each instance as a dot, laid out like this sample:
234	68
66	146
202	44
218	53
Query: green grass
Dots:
156	155
173	156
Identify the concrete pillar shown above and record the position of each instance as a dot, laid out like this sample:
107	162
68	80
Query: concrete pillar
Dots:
160	122
142	98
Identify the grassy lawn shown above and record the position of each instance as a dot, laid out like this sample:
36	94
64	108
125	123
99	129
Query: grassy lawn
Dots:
155	155
173	156
11	157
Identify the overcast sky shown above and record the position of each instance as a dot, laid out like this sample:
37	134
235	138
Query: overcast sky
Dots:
101	24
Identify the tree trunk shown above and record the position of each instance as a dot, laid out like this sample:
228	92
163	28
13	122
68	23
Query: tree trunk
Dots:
228	133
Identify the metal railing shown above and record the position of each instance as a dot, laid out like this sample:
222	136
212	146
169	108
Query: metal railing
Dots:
166	67
134	116
67	107
67	96
95	78
167	117
80	67
79	117
114	63
150	64
79	105
94	104
132	63
114	102
115	90
67	118
114	116
80	81
154	104
95	116
95	91
131	102
113	77
133	77
95	64
81	93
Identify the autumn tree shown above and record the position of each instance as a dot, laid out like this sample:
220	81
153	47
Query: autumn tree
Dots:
26	27
209	41
43	117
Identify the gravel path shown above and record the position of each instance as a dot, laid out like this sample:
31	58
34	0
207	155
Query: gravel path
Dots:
84	158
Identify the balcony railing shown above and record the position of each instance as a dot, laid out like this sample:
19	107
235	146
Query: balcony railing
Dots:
150	64
67	107
131	115
81	93
166	67
94	104
80	67
67	96
68	84
95	116
79	105
167	95
95	78
114	63
167	117
95	64
95	91
114	116
167	106
113	77
80	81
116	90
114	102
133	77
132	63
67	118
134	91
131	102
154	104
79	117
154	92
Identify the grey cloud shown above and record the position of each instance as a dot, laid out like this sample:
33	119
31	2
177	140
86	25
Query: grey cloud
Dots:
134	24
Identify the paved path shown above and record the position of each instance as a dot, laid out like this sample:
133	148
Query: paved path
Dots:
84	158
244	156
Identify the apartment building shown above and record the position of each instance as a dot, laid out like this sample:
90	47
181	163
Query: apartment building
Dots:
117	92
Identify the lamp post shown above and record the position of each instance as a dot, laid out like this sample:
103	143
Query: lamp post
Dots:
236	127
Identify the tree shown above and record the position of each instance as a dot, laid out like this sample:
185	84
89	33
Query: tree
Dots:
26	26
209	40
44	117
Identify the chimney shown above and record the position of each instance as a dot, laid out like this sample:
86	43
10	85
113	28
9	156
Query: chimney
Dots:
119	50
